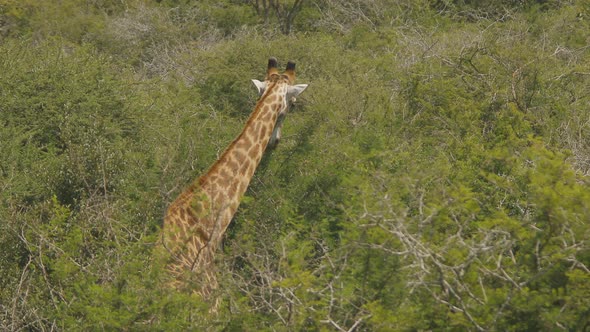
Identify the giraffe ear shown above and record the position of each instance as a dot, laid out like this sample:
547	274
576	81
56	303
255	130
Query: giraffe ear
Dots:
296	90
260	86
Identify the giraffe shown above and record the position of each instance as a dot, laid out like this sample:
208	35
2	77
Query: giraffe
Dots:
196	221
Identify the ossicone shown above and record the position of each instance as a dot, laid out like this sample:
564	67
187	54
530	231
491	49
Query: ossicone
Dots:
290	66
272	66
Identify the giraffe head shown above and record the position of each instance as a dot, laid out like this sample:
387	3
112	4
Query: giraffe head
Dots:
281	84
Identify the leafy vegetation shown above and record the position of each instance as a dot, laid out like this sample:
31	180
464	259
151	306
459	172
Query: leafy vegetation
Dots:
434	175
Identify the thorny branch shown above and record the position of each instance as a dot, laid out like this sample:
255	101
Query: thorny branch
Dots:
489	252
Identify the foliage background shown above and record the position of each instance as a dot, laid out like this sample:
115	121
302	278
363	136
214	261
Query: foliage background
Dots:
434	176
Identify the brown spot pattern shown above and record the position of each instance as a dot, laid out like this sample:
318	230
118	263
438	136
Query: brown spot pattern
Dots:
204	210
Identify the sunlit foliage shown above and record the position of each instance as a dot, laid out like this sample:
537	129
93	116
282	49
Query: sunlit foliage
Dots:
434	175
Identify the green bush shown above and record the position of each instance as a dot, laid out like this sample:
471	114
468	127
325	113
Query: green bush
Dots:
433	176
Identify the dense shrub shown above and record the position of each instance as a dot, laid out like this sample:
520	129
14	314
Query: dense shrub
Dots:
434	175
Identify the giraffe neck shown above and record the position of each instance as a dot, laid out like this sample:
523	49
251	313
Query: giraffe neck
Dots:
232	172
